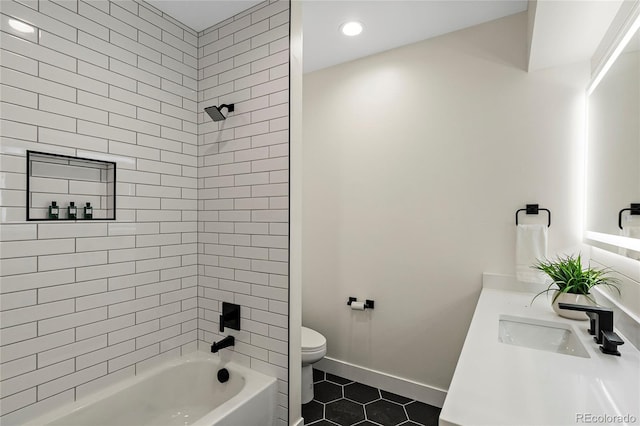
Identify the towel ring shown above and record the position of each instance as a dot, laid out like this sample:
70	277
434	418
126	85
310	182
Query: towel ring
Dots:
633	210
534	209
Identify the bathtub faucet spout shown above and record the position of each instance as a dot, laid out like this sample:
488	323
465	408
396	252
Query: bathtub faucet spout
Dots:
224	343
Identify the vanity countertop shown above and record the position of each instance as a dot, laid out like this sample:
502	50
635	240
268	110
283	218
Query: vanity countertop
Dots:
501	384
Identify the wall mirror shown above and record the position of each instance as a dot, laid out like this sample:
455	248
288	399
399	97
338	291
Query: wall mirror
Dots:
613	155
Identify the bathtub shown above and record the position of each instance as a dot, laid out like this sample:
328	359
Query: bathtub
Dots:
184	391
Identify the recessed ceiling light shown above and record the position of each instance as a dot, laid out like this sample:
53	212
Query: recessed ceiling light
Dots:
20	26
352	28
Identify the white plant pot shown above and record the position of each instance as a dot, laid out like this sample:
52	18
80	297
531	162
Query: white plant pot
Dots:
576	299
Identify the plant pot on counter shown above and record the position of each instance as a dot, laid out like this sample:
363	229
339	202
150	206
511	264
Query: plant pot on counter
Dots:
576	299
573	283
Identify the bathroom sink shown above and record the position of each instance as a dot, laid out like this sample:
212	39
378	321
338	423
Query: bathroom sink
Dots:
539	334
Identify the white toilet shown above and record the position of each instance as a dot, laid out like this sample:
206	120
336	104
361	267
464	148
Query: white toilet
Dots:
314	348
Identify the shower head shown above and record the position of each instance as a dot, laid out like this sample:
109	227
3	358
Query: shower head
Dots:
215	113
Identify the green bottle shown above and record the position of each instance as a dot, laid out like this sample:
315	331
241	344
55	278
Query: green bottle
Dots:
88	211
73	210
53	210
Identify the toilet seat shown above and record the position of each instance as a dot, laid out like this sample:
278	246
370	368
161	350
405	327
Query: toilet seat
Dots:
312	341
313	348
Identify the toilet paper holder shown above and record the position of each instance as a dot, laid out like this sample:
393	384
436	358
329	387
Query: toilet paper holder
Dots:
368	304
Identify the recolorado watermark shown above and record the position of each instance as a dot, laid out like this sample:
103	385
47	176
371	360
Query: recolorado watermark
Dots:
590	418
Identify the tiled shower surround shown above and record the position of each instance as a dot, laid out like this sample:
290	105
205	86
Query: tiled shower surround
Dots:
243	171
202	207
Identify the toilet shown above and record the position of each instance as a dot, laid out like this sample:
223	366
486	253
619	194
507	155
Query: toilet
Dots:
314	348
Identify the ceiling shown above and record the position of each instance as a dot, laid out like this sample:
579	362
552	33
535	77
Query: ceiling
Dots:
564	31
387	23
201	14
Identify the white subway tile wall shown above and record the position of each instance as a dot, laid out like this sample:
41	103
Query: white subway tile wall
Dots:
202	206
243	186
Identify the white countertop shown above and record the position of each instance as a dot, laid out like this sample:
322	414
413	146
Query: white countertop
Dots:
500	384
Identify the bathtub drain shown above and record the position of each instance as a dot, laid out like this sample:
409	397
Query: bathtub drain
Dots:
223	375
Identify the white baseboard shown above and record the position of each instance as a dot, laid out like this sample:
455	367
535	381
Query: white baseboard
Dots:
299	422
398	385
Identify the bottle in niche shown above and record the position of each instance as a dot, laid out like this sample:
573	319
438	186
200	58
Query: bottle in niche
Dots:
88	211
53	210
73	210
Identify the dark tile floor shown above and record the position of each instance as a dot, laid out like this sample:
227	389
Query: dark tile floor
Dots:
339	401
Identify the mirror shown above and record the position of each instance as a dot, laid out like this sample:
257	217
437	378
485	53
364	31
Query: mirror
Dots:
613	152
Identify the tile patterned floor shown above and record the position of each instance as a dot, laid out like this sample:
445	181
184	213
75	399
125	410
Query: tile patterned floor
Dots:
343	402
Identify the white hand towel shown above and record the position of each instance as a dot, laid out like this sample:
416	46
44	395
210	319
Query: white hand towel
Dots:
531	246
631	229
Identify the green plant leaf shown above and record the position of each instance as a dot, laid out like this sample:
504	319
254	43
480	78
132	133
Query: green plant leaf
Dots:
569	277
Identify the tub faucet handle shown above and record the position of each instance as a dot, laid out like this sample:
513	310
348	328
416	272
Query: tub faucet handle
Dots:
230	316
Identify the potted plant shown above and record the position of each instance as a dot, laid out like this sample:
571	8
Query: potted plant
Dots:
572	284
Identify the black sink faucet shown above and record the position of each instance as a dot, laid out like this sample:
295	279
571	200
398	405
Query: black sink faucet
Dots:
601	322
600	319
224	343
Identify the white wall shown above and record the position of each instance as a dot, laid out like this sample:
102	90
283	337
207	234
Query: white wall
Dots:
415	161
84	304
243	187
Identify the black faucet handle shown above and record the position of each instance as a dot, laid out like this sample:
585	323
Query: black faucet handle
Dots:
610	343
230	316
593	323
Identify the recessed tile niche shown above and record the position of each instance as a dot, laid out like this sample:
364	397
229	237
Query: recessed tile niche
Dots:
65	179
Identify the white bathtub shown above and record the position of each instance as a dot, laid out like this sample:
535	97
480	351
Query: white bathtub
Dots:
185	391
